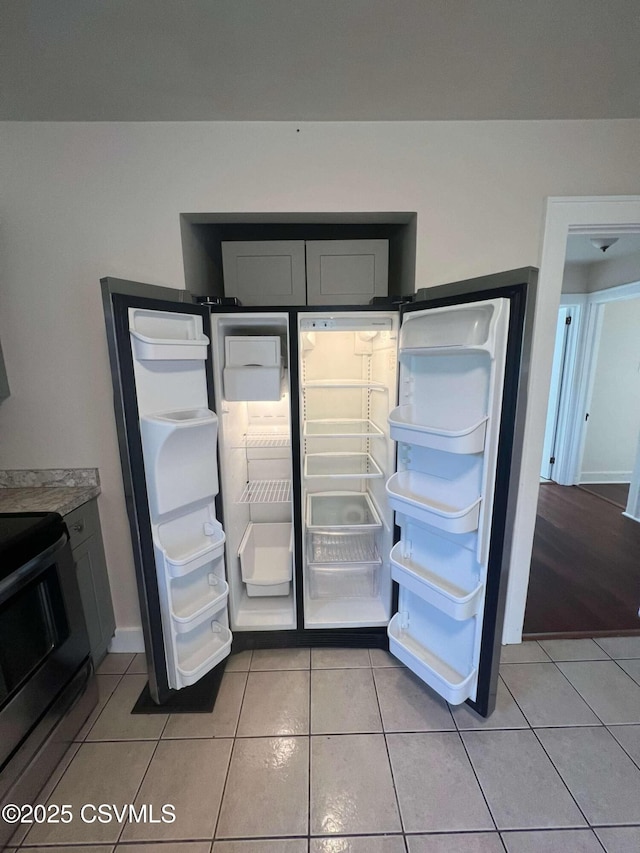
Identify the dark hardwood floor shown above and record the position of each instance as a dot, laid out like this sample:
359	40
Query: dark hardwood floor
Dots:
616	493
585	570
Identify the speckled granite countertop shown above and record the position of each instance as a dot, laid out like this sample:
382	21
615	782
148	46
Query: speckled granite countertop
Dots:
47	490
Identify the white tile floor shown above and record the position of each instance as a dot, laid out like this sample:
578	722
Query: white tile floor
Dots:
344	751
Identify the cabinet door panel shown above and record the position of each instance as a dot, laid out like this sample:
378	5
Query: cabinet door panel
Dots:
265	272
346	272
93	617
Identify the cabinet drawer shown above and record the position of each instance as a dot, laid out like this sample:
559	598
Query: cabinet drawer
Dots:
82	523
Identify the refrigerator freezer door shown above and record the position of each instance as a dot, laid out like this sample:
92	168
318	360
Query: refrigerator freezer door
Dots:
448	431
171	446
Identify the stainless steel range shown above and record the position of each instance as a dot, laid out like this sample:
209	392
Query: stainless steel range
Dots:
47	686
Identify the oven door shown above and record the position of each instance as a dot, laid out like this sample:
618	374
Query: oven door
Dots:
43	641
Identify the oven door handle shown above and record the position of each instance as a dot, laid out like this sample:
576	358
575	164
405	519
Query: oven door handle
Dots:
17	580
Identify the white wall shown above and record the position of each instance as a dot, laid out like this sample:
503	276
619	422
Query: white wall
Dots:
614	412
81	201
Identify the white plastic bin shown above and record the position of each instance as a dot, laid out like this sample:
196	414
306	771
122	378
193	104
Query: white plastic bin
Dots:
252	383
266	560
166	336
179	451
254	350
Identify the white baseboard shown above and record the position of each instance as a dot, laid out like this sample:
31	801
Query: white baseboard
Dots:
127	640
587	477
632	517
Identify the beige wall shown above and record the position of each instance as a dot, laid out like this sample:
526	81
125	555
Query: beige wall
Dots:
81	201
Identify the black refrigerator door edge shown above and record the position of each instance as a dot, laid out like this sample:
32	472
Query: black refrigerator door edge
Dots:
130	441
296	463
312	638
518	286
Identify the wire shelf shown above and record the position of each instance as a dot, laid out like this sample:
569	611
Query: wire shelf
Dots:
266	440
266	492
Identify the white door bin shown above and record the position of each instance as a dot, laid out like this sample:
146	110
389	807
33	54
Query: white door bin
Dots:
266	560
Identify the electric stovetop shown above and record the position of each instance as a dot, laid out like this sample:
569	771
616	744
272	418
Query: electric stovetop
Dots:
25	535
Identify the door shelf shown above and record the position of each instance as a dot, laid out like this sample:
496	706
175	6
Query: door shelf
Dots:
343	383
455	687
344	428
431	587
450	330
179	451
339	582
348	511
187	612
188	553
266	558
342	547
200	649
404	427
266	492
406	353
166	336
409	494
341	465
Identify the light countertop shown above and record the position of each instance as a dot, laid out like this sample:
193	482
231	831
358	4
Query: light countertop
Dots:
51	490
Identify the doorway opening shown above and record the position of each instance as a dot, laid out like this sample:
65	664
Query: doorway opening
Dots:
585	577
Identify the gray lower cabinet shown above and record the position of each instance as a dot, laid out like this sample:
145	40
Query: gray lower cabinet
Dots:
91	567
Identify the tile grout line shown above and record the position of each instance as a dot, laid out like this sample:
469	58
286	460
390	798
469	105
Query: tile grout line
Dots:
515	702
139	788
386	746
231	754
101	711
593	710
561	777
477	778
622	747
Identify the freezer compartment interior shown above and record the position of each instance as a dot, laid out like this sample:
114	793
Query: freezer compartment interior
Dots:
348	368
256	468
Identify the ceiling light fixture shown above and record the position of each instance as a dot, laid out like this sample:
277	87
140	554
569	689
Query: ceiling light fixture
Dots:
603	243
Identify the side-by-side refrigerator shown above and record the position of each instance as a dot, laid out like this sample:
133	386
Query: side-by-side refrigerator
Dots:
330	476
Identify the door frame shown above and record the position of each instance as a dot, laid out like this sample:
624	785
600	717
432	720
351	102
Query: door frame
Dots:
585	375
606	215
559	390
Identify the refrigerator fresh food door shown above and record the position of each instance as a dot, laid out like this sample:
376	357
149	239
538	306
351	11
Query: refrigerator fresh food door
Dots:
171	435
454	432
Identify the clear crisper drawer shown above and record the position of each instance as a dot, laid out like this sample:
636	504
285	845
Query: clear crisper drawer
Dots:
340	510
335	581
341	547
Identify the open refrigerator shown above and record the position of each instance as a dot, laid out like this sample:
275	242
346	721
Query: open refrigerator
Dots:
323	476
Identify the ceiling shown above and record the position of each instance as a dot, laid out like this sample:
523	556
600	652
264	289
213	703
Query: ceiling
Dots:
319	60
580	250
